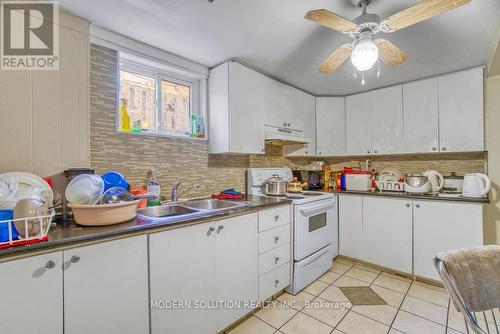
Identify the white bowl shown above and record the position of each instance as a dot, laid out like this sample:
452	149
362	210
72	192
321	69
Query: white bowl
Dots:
85	189
104	214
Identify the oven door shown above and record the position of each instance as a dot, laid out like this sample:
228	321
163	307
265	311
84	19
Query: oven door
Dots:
314	227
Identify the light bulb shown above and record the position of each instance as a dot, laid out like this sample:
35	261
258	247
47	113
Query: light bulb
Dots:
364	55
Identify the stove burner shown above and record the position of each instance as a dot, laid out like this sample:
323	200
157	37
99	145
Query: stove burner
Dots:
295	197
311	194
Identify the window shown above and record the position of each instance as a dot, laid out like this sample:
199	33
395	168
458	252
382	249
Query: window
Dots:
158	103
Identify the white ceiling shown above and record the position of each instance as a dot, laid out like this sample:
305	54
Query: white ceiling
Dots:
274	37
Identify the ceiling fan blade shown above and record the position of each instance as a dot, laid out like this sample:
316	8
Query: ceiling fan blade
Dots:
330	20
390	53
423	10
337	58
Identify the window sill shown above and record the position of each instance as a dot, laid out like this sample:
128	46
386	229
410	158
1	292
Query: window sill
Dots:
160	135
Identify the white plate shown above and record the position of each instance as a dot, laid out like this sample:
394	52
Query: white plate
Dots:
29	185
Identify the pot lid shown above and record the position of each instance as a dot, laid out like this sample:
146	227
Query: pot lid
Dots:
454	176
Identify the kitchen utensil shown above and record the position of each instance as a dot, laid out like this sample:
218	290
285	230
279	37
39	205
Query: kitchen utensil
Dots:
29	208
476	185
390	174
114	179
5	221
453	183
358	181
104	214
295	186
28	186
436	181
390	186
276	186
416	184
315	179
85	189
116	195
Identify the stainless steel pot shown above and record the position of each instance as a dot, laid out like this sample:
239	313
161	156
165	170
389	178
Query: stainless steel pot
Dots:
416	180
276	186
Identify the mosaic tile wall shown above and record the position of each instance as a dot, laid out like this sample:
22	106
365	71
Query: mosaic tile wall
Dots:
188	161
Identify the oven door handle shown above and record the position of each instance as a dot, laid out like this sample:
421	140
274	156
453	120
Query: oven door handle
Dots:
309	211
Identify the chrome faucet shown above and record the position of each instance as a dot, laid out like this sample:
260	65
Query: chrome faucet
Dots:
175	189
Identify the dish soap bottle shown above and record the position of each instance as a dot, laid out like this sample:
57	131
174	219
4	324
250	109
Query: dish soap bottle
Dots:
124	117
153	188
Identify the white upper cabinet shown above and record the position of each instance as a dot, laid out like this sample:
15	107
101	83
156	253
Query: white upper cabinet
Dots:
461	116
387	120
358	124
302	118
330	126
421	120
236	113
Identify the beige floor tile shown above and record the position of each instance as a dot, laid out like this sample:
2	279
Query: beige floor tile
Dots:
345	281
452	331
325	311
276	313
304	324
425	309
298	301
456	320
430	286
395	331
361	274
412	324
399	277
335	295
329	277
337	332
382	313
392	284
428	294
367	268
354	323
489	316
316	287
343	260
253	325
392	298
340	267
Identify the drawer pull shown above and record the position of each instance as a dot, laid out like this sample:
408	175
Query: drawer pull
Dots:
75	259
276	239
276	218
220	228
276	282
276	259
50	264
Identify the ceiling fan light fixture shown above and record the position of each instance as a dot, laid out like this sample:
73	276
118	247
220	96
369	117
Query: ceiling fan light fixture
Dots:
364	55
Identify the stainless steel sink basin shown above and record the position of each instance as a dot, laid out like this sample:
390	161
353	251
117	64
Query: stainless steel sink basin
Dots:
164	211
213	204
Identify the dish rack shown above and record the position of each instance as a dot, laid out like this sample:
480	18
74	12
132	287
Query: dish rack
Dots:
392	186
43	223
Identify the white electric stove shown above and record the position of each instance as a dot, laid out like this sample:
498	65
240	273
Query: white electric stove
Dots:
314	231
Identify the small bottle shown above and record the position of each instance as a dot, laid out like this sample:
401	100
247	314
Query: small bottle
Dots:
124	117
153	187
194	127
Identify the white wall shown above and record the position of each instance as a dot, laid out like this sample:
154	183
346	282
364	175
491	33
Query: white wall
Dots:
44	115
492	211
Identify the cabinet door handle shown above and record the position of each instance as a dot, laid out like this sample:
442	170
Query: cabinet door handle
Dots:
367	151
443	148
417	206
262	149
276	259
407	205
276	218
276	238
220	228
434	148
289	124
375	151
319	153
284	123
50	264
276	282
75	259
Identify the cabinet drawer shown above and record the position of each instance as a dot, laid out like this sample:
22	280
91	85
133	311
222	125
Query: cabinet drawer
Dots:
274	258
274	238
274	281
274	217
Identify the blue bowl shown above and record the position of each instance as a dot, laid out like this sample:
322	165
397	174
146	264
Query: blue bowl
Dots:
4	227
114	179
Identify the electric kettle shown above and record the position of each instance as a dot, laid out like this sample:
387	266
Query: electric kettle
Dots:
436	181
476	185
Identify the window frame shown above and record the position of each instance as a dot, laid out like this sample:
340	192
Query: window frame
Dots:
159	75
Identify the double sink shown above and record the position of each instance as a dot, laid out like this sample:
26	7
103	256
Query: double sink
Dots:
180	211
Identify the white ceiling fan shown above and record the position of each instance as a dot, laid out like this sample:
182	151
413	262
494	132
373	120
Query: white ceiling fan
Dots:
365	50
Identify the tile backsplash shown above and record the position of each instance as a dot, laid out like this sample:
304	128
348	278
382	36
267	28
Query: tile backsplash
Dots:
188	161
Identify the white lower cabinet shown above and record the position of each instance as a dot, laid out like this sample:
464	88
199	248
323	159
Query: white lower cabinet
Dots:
442	227
31	295
351	226
387	238
105	288
216	261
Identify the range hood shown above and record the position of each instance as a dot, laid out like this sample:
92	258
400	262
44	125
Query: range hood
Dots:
284	136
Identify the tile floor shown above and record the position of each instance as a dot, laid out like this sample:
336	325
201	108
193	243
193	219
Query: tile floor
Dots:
321	308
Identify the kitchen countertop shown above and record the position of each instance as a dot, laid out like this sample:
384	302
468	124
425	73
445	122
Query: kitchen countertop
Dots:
70	234
426	197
